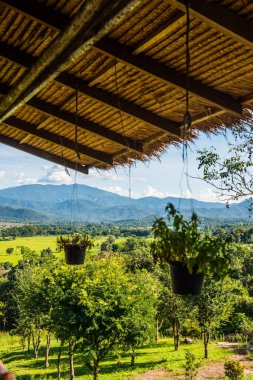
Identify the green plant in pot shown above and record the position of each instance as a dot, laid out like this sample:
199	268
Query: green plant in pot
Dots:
190	253
75	247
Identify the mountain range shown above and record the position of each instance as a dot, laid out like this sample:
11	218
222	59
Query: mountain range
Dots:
67	203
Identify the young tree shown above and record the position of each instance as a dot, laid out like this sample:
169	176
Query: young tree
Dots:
9	250
65	287
139	322
28	301
215	305
174	310
105	304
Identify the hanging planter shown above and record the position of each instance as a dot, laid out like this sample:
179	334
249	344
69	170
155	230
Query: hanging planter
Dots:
75	247
184	282
190	253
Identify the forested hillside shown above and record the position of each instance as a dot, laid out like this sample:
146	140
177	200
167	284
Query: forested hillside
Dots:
45	203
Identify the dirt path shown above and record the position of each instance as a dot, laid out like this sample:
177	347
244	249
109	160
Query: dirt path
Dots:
209	371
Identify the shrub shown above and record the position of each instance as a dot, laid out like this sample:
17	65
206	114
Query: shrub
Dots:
191	366
233	370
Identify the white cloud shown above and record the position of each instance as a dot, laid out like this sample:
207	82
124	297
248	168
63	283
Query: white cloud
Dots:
21	179
208	195
152	192
2	173
55	175
107	176
116	189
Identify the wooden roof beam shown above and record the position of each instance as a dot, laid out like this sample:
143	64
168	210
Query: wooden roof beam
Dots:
59	140
167	75
220	18
94	20
85	124
103	96
43	154
39	12
165	29
120	104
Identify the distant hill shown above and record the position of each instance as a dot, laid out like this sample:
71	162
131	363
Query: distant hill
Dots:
10	214
47	203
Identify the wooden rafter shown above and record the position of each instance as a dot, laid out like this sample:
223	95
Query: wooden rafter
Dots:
103	96
177	20
85	124
43	154
168	75
39	12
93	20
219	17
121	104
59	140
164	73
82	123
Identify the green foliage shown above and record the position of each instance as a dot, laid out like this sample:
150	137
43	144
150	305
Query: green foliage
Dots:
9	250
233	370
185	243
82	240
139	320
192	365
231	175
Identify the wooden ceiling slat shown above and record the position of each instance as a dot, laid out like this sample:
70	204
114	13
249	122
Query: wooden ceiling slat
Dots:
59	140
43	154
93	21
168	75
120	104
164	30
103	96
39	12
84	124
216	98
220	18
87	125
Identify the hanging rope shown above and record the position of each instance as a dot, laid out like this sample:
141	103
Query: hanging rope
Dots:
76	124
129	181
75	210
187	120
119	105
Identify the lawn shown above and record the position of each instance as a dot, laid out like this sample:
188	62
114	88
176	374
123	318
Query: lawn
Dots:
159	355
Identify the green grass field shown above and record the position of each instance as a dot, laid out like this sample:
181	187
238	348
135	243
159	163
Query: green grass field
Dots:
159	355
37	244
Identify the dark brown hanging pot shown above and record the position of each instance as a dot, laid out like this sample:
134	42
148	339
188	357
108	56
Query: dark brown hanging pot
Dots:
74	254
185	283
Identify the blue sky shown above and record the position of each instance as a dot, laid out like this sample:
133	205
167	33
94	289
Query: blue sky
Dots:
154	178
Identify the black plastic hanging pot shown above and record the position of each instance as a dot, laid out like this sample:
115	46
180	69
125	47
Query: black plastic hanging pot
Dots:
185	283
74	254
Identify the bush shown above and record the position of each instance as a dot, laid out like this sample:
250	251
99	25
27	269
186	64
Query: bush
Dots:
233	370
191	366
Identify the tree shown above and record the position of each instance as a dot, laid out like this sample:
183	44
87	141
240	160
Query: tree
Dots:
105	305
46	253
173	310
107	245
232	176
139	326
215	304
65	286
29	304
9	250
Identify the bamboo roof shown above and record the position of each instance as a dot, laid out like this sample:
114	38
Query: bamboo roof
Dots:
100	83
